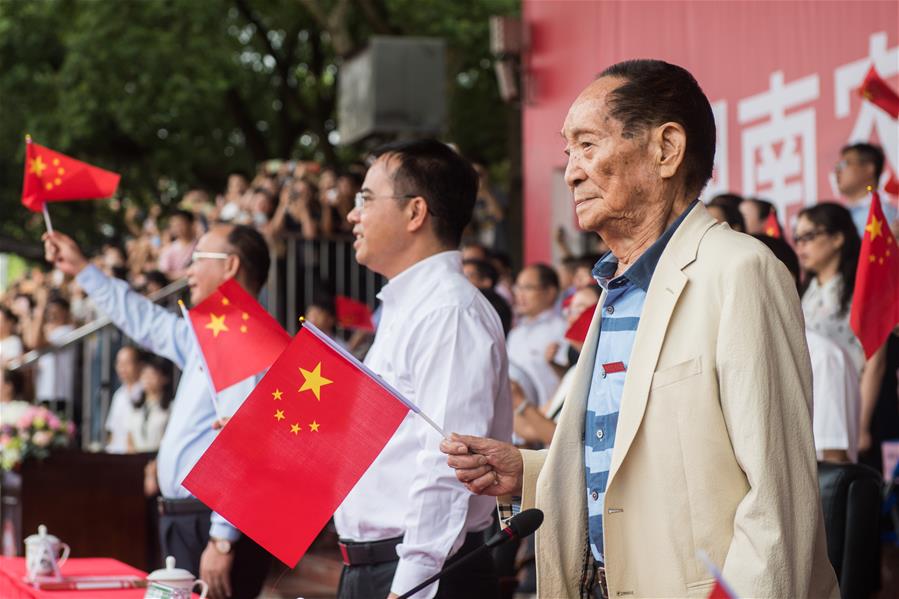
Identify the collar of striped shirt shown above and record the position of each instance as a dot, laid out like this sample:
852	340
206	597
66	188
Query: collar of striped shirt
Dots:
641	272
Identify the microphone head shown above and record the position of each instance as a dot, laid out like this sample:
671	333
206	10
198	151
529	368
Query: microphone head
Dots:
525	523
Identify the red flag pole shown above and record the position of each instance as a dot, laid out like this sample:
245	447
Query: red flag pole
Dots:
212	394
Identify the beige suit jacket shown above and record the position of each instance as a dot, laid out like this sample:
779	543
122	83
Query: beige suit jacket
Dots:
714	448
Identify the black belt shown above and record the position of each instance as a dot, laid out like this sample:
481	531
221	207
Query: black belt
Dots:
366	554
377	552
189	505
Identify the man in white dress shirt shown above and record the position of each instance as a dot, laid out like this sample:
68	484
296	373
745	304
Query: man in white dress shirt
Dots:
539	325
441	344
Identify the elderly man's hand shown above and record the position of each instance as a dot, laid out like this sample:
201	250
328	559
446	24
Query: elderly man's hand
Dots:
485	466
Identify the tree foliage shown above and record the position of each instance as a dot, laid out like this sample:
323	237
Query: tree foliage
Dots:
176	94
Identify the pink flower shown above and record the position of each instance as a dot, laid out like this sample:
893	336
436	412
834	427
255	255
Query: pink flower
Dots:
54	422
4	440
42	438
70	428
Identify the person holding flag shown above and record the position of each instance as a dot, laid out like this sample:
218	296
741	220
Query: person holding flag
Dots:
441	344
202	542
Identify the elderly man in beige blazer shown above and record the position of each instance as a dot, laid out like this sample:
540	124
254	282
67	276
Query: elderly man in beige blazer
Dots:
713	449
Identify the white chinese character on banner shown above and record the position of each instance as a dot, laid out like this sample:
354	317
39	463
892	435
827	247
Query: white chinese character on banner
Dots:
848	78
719	181
779	155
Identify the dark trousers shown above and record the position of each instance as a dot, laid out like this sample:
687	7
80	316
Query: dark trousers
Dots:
185	536
473	580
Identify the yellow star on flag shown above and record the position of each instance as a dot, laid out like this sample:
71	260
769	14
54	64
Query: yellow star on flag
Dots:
37	166
216	324
277	394
295	428
874	228
279	415
314	426
245	316
314	380
225	301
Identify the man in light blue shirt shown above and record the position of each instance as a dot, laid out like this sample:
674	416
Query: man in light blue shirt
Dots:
858	171
201	541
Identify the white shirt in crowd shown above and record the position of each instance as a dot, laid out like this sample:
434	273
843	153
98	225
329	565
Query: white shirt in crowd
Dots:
120	409
55	377
440	343
146	426
10	348
527	344
836	396
821	308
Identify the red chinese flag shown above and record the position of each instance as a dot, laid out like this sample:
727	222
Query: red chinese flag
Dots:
875	301
772	227
577	332
353	314
237	336
875	90
892	185
297	445
54	177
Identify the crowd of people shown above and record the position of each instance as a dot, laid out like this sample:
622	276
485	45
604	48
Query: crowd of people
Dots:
517	329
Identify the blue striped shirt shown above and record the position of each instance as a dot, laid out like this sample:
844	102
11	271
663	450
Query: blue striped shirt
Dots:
621	310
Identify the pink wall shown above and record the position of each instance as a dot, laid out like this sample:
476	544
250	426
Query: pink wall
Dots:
780	145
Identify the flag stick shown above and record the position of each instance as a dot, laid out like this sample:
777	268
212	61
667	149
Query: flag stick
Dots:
47	219
212	394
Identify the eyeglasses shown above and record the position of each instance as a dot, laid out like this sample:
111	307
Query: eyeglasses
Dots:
526	288
841	164
807	237
208	255
361	198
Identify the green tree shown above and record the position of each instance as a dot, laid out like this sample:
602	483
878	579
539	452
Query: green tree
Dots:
175	94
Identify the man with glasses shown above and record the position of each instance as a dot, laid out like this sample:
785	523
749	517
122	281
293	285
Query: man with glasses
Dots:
201	542
539	325
441	344
858	171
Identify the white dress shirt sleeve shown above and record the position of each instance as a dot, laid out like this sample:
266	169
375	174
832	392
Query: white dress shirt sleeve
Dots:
456	374
162	332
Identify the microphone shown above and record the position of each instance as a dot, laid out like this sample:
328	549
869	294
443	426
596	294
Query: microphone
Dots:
520	526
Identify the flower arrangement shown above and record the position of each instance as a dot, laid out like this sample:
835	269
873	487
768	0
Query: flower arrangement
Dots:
35	432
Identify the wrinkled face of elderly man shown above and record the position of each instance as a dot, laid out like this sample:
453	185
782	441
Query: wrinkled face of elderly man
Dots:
618	177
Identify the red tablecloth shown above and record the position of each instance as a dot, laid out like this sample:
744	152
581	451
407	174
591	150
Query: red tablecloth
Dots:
12	570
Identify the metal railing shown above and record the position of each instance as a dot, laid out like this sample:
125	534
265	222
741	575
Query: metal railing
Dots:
304	269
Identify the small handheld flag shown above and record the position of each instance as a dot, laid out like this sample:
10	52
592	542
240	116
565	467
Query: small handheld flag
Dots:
577	332
54	177
875	90
875	301
237	336
305	435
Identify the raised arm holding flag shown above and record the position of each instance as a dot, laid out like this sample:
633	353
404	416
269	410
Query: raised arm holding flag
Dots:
201	541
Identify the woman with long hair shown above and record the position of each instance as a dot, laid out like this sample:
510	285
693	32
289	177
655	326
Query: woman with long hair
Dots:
827	244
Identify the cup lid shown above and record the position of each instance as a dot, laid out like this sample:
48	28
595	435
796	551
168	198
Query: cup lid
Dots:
42	535
170	572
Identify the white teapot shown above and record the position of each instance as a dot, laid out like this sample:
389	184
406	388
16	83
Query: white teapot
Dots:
180	581
42	556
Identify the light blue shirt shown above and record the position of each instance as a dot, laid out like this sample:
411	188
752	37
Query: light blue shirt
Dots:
621	311
189	432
